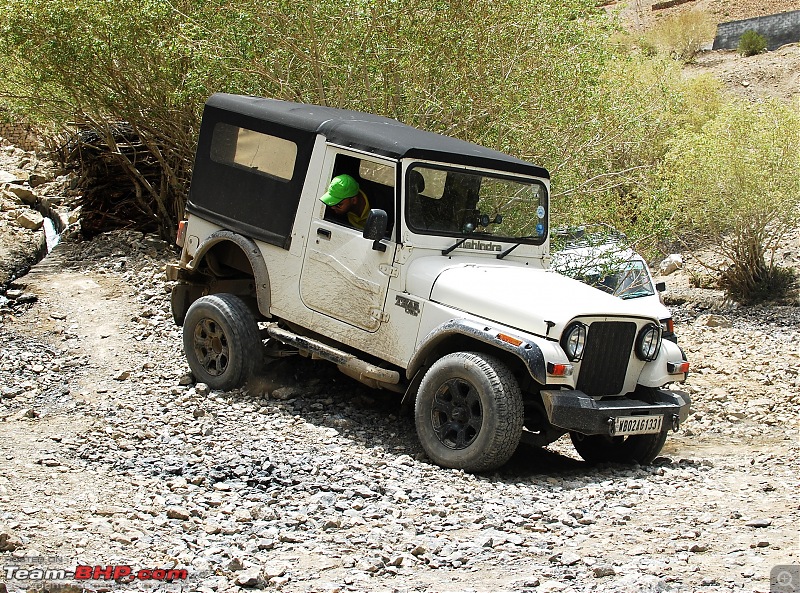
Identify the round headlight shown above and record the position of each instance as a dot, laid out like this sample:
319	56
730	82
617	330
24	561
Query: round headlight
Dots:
573	340
648	342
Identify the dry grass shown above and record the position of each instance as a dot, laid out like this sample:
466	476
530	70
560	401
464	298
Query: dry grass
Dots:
681	35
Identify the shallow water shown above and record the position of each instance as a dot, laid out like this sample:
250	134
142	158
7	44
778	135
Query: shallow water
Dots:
52	236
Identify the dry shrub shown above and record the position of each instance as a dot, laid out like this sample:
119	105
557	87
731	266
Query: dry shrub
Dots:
681	35
735	187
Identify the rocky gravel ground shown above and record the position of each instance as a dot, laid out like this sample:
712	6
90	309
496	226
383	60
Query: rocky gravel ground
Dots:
309	482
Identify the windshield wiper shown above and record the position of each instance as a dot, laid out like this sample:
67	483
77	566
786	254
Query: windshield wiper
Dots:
507	251
636	294
499	255
461	242
454	246
514	246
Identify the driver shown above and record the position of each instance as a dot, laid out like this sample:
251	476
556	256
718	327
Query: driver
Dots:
345	197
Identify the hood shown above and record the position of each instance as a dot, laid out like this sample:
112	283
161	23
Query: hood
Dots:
648	306
516	296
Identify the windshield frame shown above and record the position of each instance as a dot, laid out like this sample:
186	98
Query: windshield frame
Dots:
537	240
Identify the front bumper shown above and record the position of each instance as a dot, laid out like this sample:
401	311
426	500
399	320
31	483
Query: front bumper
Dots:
575	411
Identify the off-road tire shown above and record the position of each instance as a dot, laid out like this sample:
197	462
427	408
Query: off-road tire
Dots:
221	341
469	412
638	448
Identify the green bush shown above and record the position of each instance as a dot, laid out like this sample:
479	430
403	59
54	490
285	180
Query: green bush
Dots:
96	63
539	80
752	43
647	47
609	182
734	186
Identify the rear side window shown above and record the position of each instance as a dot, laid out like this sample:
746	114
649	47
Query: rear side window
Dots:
257	152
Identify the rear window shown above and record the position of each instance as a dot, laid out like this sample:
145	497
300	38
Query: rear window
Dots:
261	153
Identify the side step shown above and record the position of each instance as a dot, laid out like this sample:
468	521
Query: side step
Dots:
349	364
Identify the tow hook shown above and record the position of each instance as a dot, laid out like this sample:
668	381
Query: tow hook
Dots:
611	430
676	423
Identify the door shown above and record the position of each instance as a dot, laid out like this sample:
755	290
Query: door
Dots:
343	277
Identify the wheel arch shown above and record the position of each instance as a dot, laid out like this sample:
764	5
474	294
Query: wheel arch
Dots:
230	247
465	335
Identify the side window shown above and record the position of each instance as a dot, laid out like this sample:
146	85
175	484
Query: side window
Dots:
376	184
376	172
262	153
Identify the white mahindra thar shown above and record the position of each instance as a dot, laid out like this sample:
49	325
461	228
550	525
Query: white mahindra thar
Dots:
443	297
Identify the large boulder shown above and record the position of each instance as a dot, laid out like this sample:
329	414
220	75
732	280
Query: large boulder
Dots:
672	263
30	219
25	195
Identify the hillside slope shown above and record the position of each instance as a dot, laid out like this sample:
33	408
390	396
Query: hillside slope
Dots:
773	74
638	15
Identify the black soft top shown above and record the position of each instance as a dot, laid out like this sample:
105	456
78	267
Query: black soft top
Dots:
371	133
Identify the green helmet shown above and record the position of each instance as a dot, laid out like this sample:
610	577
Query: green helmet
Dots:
341	188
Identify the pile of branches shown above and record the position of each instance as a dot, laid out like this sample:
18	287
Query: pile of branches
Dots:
122	182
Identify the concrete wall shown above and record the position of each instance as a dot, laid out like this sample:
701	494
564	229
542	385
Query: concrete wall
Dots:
779	29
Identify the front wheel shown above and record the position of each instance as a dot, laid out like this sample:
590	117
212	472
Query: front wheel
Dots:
221	341
639	448
469	412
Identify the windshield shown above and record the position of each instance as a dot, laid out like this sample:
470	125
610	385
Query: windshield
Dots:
462	204
630	281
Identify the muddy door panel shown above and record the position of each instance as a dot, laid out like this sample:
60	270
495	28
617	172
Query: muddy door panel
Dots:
343	277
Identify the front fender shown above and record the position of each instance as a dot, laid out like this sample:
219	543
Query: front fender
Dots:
655	373
530	350
254	256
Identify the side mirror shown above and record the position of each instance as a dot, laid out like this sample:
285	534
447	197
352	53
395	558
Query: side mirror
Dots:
661	286
375	228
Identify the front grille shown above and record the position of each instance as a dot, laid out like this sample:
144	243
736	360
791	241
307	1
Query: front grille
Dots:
606	356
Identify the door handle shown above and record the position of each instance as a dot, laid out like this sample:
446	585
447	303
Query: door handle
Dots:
324	233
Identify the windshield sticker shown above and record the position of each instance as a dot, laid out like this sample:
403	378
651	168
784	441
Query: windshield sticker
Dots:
540	229
540	212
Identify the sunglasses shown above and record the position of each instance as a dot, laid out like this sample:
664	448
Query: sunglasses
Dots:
341	204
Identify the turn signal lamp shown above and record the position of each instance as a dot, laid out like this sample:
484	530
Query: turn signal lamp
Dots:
509	339
667	326
676	368
180	236
559	370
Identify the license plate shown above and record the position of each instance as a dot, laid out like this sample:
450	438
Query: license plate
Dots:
628	425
